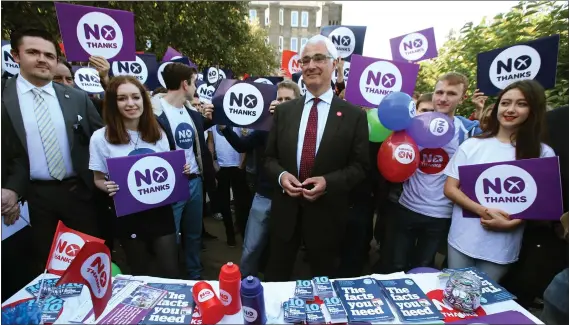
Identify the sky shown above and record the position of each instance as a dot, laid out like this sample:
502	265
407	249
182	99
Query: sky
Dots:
389	19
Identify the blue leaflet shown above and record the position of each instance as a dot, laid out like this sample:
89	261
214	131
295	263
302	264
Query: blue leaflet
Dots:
335	308
410	301
62	291
314	314
363	300
294	310
174	308
491	291
323	287
304	290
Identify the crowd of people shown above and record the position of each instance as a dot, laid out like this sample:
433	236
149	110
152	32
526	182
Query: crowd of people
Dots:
311	183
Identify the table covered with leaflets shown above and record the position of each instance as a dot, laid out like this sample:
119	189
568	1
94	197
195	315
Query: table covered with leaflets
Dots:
378	299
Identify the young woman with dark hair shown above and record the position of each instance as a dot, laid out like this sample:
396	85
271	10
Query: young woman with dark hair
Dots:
515	130
147	237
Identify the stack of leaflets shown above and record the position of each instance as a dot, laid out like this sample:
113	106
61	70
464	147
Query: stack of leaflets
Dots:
323	287
304	290
336	311
294	310
410	302
492	292
175	308
314	314
52	297
363	300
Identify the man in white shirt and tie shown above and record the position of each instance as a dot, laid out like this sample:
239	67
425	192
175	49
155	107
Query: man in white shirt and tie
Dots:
317	151
54	124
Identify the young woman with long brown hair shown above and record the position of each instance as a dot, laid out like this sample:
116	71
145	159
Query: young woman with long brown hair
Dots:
514	131
147	237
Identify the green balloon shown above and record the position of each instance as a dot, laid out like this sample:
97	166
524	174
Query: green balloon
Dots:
377	132
115	270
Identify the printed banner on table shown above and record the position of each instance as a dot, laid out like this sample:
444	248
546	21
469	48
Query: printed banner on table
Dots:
88	31
87	79
266	80
536	60
290	62
373	79
144	69
149	181
9	66
244	104
184	59
526	189
506	317
135	307
349	40
414	47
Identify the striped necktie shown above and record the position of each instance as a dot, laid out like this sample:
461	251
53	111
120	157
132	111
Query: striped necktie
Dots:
53	154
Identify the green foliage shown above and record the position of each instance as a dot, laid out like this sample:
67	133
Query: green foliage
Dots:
209	33
525	22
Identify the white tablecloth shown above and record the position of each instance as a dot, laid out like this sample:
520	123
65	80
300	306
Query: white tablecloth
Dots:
275	294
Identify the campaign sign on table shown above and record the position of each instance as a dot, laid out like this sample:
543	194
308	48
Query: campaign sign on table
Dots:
506	317
526	189
266	80
144	69
148	181
536	60
244	104
9	66
205	92
414	47
88	31
183	59
87	79
349	40
290	62
373	79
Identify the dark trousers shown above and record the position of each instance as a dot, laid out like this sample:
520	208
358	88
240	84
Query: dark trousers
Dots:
355	247
18	262
234	178
387	233
417	238
152	256
51	201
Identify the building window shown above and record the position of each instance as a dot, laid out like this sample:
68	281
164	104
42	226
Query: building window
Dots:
294	18
252	15
294	44
304	20
303	42
281	17
281	42
267	21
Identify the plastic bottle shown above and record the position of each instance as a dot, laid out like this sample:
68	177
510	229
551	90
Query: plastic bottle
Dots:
211	308
229	288
253	300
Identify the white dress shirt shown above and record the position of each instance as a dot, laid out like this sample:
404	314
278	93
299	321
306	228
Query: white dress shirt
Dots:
36	153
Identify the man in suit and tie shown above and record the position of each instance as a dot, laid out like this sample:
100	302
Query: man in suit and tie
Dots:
317	151
54	124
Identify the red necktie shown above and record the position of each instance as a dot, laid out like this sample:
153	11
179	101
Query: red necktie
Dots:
309	145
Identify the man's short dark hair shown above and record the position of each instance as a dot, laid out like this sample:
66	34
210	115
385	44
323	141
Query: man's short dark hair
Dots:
63	61
175	73
17	36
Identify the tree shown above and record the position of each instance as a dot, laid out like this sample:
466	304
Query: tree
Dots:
526	21
209	33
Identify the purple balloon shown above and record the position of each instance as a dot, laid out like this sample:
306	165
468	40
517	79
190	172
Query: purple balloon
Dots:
431	130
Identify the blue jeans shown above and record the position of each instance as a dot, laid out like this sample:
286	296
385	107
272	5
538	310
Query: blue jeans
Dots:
556	300
458	260
256	235
188	215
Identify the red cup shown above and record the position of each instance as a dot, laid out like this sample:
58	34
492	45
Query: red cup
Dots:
211	308
230	288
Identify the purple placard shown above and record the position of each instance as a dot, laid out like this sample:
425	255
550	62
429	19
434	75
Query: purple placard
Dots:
170	54
88	31
414	47
148	181
526	189
244	104
372	79
506	317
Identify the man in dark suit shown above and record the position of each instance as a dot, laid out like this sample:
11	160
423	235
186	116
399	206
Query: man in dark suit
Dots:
54	124
317	151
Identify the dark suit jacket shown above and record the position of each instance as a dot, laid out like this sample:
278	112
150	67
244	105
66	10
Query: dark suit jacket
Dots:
15	166
74	103
342	159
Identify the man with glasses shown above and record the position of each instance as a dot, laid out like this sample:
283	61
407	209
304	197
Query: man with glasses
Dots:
317	152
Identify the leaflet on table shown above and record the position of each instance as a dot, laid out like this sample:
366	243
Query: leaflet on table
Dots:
323	287
314	314
196	316
335	310
491	291
294	310
62	291
135	307
363	300
304	290
175	308
122	288
410	302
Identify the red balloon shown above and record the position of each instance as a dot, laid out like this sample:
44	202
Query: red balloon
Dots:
398	157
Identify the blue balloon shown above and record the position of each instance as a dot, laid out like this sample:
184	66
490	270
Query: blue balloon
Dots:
396	111
431	130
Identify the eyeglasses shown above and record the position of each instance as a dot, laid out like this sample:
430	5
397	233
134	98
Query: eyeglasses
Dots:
317	58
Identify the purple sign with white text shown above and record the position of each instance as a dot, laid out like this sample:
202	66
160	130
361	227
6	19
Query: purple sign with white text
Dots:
372	79
506	317
148	181
414	47
244	104
88	31
526	189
